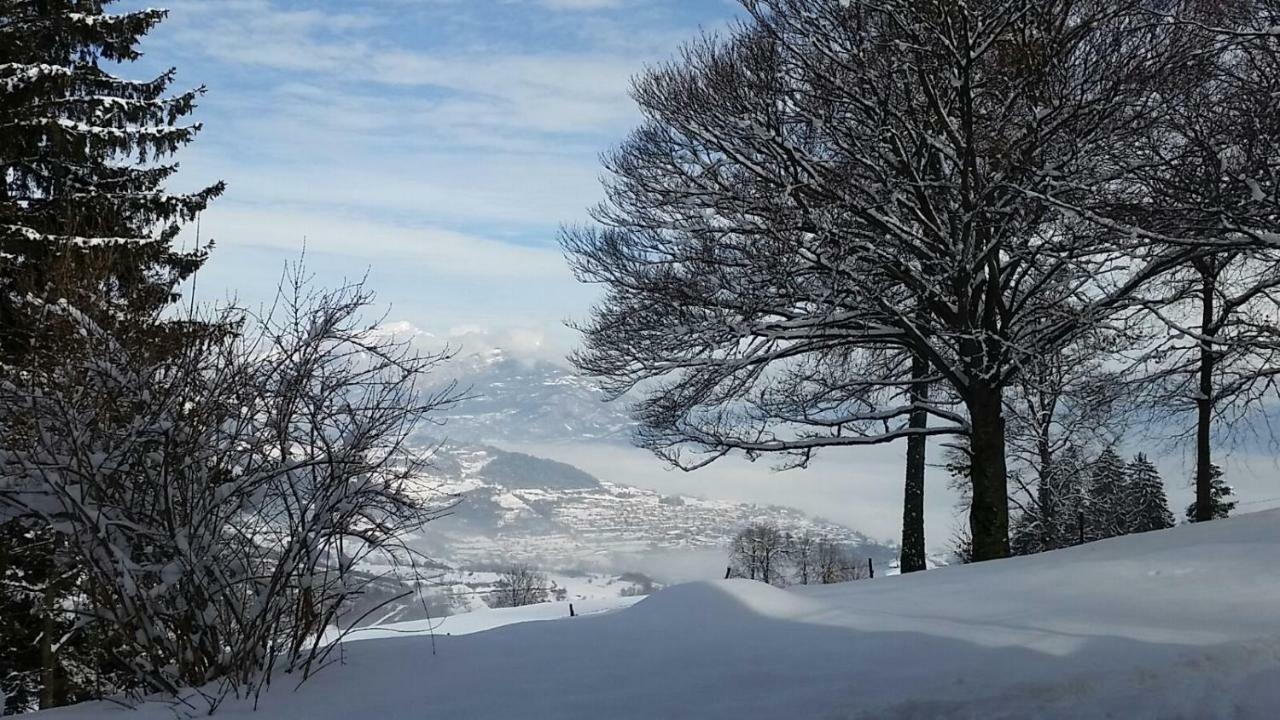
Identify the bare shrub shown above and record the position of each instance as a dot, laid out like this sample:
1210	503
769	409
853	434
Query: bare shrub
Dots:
217	500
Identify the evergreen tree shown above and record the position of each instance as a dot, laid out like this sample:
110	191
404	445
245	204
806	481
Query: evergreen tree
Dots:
1054	520
1026	533
84	154
85	218
1148	506
1221	495
1070	478
1108	494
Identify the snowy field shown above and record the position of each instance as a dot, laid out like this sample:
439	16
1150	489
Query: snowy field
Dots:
487	619
1183	623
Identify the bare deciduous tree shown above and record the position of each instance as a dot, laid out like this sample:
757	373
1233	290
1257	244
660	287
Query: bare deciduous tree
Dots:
836	564
759	552
518	586
802	551
1209	176
848	179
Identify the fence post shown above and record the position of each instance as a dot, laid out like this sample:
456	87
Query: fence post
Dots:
871	568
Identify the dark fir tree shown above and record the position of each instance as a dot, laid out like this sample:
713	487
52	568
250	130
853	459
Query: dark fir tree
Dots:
1108	492
1221	497
1147	505
85	218
85	155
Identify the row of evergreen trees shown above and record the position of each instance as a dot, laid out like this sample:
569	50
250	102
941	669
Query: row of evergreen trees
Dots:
1082	501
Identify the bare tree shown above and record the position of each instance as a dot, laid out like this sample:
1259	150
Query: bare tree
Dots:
1204	175
759	552
518	586
835	563
1064	405
1209	177
803	554
216	501
841	180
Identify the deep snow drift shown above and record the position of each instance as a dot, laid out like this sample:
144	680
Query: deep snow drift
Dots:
1183	623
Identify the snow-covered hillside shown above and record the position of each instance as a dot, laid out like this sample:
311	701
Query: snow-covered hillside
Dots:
484	619
1174	624
515	507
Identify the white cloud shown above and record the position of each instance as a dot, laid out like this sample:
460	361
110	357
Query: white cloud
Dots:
580	91
481	193
434	251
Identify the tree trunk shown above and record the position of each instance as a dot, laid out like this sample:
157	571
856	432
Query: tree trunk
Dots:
1045	494
913	552
1204	400
53	691
989	512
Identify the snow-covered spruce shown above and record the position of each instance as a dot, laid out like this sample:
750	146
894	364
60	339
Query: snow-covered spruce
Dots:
85	155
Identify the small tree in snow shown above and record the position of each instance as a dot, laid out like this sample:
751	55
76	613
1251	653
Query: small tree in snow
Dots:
1066	500
834	563
1221	498
1108	494
518	586
803	553
759	552
1148	506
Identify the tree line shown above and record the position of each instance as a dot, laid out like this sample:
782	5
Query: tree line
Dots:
764	552
1014	225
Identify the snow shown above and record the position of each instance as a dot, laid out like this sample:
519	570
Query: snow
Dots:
487	619
14	76
1173	624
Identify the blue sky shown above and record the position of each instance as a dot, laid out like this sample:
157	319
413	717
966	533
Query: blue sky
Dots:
435	144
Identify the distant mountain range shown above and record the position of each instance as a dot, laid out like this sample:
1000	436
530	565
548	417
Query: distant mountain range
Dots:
516	400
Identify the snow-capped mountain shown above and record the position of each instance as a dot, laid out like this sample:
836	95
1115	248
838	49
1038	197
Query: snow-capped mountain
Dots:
516	391
515	507
520	400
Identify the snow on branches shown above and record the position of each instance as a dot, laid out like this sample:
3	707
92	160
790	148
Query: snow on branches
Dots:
836	187
219	498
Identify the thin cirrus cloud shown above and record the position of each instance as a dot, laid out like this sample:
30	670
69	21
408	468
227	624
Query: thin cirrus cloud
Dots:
438	251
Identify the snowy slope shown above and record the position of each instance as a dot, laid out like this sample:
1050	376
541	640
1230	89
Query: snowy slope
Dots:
489	619
1182	623
516	507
